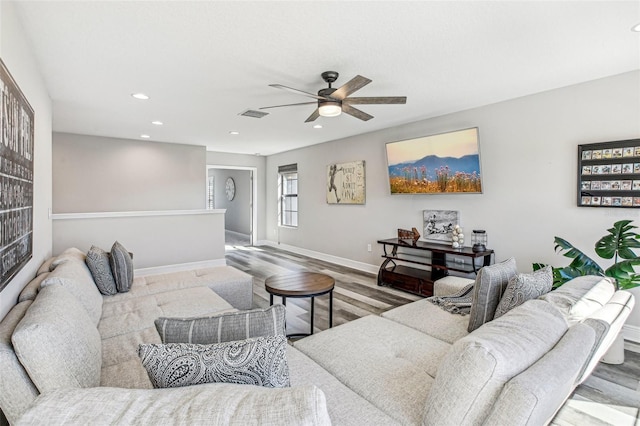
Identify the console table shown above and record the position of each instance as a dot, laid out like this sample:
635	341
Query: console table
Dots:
420	281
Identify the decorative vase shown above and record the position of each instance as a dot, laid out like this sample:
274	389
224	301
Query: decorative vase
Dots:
457	237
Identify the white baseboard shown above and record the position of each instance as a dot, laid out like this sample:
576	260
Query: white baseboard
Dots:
360	266
631	334
154	270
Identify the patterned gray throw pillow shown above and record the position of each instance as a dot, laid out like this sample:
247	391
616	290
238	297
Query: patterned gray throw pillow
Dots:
490	284
225	327
261	361
97	261
524	287
121	267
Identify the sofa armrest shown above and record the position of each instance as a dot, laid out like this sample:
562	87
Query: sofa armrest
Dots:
214	403
607	322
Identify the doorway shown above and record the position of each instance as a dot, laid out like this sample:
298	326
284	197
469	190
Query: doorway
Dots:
233	189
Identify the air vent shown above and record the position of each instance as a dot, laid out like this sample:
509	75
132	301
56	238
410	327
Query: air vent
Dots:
253	113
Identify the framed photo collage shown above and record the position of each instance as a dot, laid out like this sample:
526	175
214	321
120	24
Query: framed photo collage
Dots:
609	174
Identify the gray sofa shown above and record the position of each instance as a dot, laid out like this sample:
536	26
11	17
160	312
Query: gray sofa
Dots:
416	364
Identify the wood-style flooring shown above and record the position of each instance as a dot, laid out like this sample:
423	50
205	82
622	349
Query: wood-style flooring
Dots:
610	396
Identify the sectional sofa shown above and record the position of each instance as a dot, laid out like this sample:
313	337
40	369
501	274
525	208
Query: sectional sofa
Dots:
70	356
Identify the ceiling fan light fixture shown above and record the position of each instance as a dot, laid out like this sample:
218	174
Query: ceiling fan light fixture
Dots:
329	108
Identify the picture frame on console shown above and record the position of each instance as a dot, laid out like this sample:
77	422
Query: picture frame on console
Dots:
438	224
445	163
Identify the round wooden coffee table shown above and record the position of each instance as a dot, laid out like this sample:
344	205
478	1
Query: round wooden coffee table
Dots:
301	284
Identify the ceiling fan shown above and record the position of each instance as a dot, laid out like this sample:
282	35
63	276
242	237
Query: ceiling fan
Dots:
333	102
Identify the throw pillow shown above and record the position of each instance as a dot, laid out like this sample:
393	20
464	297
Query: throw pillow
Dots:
121	267
225	327
525	287
98	263
487	291
261	361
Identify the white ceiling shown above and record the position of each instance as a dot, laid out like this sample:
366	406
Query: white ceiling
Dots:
204	62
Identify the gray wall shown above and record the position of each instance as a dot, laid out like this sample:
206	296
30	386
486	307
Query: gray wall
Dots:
238	215
254	161
16	53
528	153
97	174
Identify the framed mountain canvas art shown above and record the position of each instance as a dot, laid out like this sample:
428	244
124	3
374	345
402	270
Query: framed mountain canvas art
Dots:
445	163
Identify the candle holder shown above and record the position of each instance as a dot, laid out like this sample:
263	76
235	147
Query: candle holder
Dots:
479	240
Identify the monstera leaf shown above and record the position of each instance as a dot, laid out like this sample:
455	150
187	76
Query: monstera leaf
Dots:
619	243
581	263
624	273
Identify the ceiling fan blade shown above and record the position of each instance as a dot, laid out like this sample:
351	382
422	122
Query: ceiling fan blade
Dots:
348	109
356	83
376	100
313	116
287	105
296	91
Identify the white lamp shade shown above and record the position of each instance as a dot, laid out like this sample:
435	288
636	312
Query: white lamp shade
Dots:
330	109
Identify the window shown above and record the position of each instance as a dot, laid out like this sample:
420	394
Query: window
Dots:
211	204
288	195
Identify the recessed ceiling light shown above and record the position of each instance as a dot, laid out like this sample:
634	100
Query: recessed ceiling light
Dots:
318	126
233	132
157	123
140	96
636	28
145	136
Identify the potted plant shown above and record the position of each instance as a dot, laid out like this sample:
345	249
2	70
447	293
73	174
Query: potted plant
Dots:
618	245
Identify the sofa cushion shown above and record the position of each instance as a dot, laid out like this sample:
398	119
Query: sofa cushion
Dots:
124	347
125	315
17	391
76	278
224	327
430	319
127	375
121	365
98	263
128	316
46	266
342	402
525	287
57	343
71	253
30	291
582	296
388	364
191	302
121	267
233	285
261	361
209	404
473	373
451	284
533	396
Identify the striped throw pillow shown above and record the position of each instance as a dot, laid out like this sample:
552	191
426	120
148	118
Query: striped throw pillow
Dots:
490	284
121	267
224	327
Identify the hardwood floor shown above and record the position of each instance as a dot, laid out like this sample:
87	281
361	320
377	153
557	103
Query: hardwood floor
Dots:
610	396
